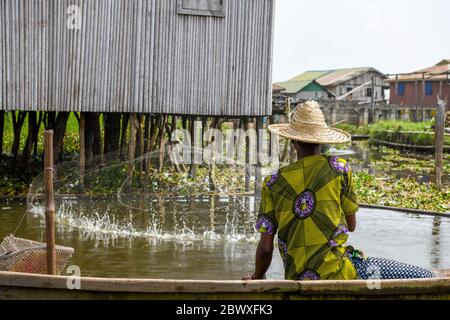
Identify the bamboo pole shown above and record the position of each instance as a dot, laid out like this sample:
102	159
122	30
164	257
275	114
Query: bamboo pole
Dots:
439	140
49	202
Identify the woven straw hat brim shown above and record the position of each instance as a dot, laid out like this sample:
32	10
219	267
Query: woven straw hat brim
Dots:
312	135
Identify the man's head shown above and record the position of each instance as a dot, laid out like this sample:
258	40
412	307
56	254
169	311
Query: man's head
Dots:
307	123
304	148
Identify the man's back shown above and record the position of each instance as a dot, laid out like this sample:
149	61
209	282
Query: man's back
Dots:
306	203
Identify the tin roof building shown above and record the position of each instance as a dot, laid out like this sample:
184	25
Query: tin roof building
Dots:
187	57
354	84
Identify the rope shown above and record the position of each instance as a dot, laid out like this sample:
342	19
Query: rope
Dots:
20	223
51	169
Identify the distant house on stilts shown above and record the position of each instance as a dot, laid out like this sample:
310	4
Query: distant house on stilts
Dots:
415	94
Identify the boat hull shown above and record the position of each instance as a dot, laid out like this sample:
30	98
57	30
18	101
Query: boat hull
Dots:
29	286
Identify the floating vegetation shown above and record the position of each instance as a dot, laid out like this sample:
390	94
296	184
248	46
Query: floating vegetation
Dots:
12	186
405	133
354	129
394	160
393	178
397	125
387	190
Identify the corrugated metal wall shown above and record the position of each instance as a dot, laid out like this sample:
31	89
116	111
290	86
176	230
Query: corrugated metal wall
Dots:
136	56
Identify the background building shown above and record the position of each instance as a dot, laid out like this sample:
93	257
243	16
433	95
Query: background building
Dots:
341	84
305	87
418	90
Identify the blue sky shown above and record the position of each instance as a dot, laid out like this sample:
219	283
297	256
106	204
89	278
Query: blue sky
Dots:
390	35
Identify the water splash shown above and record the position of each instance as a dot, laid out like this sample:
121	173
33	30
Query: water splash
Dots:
167	206
103	220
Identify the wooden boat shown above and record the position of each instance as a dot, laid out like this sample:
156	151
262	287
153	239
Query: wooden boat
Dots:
31	286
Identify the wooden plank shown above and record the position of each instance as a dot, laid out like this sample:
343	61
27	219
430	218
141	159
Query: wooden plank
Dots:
281	288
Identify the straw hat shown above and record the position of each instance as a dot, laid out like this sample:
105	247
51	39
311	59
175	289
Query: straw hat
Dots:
308	125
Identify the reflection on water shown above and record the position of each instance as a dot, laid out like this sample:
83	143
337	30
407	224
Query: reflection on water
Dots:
435	253
205	237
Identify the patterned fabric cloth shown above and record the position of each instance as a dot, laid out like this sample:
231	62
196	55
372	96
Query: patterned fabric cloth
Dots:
378	268
306	204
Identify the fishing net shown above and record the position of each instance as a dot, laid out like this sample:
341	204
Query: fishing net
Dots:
180	201
21	255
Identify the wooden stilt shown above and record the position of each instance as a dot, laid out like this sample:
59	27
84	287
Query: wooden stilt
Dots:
49	202
18	118
145	141
173	125
259	154
162	142
139	145
422	115
184	122
439	141
193	134
111	135
151	142
123	135
212	184
212	211
202	138
2	125
82	150
416	92
248	172
132	148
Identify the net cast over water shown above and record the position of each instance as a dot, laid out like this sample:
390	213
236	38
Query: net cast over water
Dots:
214	203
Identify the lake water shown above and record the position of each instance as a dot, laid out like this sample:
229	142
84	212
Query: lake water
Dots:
204	237
207	237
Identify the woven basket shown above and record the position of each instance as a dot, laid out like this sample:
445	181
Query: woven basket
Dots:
21	255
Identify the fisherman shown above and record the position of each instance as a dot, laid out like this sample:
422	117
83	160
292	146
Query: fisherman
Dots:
311	204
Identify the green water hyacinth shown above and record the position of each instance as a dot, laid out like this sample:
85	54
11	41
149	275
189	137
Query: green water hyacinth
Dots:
389	191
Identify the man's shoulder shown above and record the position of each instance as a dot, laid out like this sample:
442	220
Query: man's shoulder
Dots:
339	164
